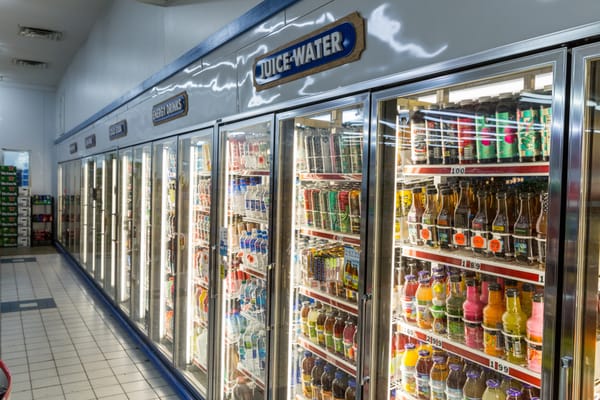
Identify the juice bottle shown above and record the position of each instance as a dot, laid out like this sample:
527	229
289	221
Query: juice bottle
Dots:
463	215
473	317
474	385
501	243
437	378
313	315
455	382
529	392
454	310
409	371
423	367
508	382
304	317
315	374
339	385
506	129
481	226
524	231
348	334
438	303
415	217
322	316
338	335
445	220
327	382
449	134
493	340
466	133
328	330
526	297
493	392
535	334
514	323
308	362
424	301
409	299
513	394
350	393
429	218
418	136
355	344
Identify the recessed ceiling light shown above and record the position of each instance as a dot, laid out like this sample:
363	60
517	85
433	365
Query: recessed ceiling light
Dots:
31	32
30	63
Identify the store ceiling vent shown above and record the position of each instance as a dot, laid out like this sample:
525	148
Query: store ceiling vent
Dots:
163	3
40	33
30	63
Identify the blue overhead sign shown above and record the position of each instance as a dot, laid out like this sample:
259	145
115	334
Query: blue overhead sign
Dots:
170	109
335	44
117	130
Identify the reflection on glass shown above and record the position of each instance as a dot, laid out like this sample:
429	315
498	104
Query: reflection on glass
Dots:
110	223
126	227
99	221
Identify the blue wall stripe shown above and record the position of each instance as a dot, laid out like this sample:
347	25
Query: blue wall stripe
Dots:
253	17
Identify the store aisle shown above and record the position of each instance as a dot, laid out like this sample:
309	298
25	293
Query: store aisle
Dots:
59	343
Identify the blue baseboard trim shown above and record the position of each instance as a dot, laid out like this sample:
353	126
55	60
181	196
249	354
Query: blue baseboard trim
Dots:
177	382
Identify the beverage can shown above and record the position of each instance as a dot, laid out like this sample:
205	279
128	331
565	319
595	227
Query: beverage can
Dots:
354	198
346	154
333	210
336	153
467	150
317	154
433	135
449	128
344	210
326	153
356	152
546	122
316	208
309	152
507	149
528	119
485	131
324	207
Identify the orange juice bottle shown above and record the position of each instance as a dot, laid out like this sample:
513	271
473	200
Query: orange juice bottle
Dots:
424	297
493	340
409	370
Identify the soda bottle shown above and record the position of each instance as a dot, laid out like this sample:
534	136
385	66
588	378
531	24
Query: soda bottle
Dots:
541	228
429	218
493	392
493	340
485	131
529	392
418	136
501	243
409	371
526	297
528	119
481	226
349	329
508	382
449	134
474	385
313	315
524	231
437	378
424	297
316	373
328	330
546	122
438	303
454	310
463	215
338	335
308	362
433	134
466	133
535	334
423	367
513	394
507	149
473	317
339	385
514	325
409	298
415	217
327	382
350	393
455	382
445	220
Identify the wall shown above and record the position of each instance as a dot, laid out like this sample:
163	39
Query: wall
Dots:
131	43
27	122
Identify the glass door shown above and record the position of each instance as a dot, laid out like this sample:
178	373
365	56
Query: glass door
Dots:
88	223
321	250
61	225
164	244
99	225
125	248
244	218
73	205
141	255
469	173
110	220
195	194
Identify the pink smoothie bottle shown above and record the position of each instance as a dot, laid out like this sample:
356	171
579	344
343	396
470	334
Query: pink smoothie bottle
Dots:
535	333
473	317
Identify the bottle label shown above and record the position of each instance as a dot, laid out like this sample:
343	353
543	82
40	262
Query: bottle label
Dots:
329	343
449	142
507	142
418	143
546	122
529	136
339	345
409	309
444	235
493	341
454	394
455	326
523	247
466	142
473	334
439	324
499	244
413	233
534	355
409	380
514	345
306	385
427	234
486	140
423	389
438	390
326	395
423	312
460	237
479	240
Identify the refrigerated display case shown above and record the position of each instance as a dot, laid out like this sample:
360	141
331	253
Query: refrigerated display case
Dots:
110	221
469	171
99	224
321	221
141	235
125	214
89	221
164	244
68	222
194	213
244	238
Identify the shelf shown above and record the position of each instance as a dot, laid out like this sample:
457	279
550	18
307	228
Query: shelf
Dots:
202	209
256	220
349	238
477	356
326	355
330	177
248	172
329	299
200	282
200	243
508	169
199	365
250	317
466	260
249	374
200	322
254	272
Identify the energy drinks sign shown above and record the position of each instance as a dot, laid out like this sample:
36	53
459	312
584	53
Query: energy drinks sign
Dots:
335	44
170	109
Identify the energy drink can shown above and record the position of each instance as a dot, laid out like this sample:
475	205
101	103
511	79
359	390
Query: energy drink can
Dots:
333	210
316	203
326	153
317	153
336	153
356	153
308	207
346	154
355	211
324	202
344	210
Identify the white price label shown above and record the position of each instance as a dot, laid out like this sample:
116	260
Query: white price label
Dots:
457	170
434	341
499	366
408	331
541	278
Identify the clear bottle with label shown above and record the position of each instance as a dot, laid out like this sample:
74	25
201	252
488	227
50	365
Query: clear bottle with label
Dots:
514	325
316	373
535	334
463	215
541	228
438	303
501	242
449	125
493	339
454	310
474	385
327	382
437	377
409	371
493	392
473	317
429	218
418	136
524	231
423	367
445	220
424	298
481	226
415	217
455	382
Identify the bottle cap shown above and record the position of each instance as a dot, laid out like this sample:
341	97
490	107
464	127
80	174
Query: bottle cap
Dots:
307	353
319	362
492	383
439	359
424	353
527	287
494	286
455	278
351	382
455	367
512	292
409	346
339	375
473	374
417	189
538	297
409	278
329	368
513	392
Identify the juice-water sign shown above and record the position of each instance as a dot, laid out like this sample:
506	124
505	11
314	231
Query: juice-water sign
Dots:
335	44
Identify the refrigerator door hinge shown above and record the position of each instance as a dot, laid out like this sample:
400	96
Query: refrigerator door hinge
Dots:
367	297
365	380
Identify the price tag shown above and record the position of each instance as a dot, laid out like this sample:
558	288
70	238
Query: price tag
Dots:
499	366
408	331
475	265
464	263
434	341
541	278
457	170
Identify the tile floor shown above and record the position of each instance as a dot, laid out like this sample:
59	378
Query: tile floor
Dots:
72	351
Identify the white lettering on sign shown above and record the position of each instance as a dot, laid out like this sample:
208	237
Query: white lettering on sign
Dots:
170	108
325	46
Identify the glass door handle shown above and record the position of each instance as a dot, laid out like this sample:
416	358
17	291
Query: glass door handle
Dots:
565	383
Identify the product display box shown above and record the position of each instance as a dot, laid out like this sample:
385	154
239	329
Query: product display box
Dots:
24	211
23	220
8	170
9	231
8	200
23	242
23	190
24	231
8	180
23	201
8	220
8	211
8	190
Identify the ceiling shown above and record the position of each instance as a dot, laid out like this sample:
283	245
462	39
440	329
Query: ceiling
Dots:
74	18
